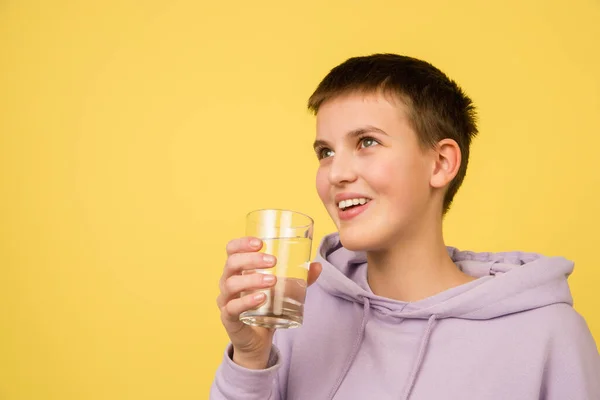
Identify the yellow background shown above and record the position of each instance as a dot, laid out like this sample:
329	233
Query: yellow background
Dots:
134	137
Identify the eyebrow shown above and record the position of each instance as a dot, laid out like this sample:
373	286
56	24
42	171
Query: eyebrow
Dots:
352	134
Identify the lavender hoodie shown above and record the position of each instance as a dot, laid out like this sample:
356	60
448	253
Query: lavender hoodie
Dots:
512	334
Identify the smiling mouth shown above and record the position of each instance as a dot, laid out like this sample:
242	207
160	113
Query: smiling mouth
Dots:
345	205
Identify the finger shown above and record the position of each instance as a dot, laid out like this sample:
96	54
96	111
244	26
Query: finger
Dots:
243	245
233	309
236	284
236	263
314	272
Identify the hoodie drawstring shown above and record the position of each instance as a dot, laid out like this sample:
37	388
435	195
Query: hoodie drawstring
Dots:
355	348
361	334
419	361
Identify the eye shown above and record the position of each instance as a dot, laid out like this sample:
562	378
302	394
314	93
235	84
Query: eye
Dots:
324	152
368	142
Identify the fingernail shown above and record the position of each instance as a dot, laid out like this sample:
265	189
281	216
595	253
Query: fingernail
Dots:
255	243
267	278
269	259
259	296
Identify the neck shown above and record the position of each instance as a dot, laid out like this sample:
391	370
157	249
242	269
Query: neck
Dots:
415	267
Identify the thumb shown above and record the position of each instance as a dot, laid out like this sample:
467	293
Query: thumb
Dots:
314	272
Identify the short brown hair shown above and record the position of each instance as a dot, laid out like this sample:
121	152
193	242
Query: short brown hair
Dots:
438	108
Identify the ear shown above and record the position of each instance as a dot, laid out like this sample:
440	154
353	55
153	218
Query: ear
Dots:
447	160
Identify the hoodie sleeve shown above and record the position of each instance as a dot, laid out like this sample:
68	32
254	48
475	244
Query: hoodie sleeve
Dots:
572	369
233	382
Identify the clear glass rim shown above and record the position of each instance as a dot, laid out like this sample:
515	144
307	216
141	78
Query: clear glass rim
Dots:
312	222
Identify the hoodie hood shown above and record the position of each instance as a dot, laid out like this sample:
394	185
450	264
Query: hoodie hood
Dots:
508	283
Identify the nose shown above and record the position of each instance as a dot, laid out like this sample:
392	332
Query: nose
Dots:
341	170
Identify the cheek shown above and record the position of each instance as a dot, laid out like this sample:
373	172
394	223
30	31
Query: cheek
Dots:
322	184
384	176
398	181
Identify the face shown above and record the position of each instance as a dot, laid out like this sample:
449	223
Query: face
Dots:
371	162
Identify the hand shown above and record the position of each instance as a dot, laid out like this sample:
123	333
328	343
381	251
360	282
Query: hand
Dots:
251	344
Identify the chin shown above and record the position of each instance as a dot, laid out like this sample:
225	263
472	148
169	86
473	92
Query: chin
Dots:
374	234
359	239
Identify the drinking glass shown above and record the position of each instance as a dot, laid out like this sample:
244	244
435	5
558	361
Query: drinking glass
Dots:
287	235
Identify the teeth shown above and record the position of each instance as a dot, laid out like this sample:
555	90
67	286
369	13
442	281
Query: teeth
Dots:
352	202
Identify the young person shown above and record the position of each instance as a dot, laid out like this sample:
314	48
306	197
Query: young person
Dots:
395	313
